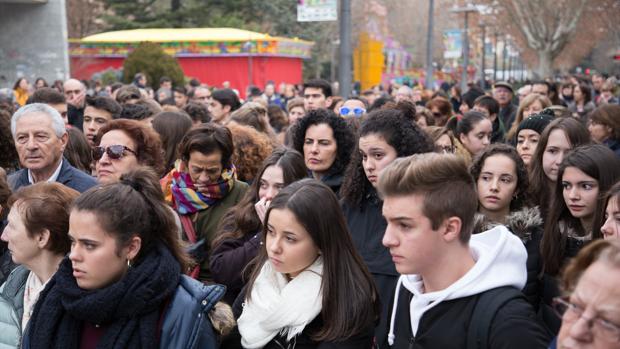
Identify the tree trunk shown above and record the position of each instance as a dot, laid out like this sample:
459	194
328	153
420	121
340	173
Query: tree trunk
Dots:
545	61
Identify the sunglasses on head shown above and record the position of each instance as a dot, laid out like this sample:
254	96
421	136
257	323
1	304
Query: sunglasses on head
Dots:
346	111
114	152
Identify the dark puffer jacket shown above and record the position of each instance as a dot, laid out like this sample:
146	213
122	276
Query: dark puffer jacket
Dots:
527	224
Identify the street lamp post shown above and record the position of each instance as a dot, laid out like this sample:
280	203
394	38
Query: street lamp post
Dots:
429	46
482	62
495	58
466	10
344	76
504	56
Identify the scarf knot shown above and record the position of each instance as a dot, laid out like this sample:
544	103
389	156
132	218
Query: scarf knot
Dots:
279	306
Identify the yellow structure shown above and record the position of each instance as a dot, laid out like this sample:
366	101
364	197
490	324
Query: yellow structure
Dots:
368	61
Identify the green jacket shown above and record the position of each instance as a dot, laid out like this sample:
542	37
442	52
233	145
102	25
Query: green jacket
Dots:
207	221
12	308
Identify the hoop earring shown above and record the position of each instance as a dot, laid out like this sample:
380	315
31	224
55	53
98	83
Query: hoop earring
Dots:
128	263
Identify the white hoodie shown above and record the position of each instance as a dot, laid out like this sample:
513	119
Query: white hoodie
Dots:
500	261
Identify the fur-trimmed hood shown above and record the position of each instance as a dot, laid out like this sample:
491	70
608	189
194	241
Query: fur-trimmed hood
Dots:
521	223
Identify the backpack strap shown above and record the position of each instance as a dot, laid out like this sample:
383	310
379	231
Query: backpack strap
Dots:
487	306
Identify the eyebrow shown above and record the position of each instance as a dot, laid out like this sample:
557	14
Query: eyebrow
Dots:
83	240
399	218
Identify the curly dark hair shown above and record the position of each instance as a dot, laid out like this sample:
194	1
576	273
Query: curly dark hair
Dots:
345	140
522	198
251	148
9	160
148	143
399	132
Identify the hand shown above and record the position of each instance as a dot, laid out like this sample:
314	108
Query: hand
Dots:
261	209
77	100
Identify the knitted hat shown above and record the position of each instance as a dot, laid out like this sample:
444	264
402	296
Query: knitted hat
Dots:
537	122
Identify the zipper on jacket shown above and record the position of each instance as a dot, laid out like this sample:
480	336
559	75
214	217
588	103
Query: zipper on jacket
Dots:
411	342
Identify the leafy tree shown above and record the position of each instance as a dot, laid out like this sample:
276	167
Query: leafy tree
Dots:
149	58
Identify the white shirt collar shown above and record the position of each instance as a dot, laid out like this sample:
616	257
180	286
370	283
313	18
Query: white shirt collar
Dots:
53	178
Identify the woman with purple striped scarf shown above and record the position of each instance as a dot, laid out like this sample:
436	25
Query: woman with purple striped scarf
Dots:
201	187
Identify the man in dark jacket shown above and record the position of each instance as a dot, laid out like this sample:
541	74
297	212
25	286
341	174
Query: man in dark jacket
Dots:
40	139
429	204
75	94
504	93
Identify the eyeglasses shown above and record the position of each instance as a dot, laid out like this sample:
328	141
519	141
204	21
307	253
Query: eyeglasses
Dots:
346	111
570	313
114	152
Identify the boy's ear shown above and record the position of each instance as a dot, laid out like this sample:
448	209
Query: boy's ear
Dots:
452	228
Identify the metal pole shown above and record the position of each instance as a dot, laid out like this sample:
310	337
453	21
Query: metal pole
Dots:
429	46
482	75
504	56
495	58
344	76
510	66
465	54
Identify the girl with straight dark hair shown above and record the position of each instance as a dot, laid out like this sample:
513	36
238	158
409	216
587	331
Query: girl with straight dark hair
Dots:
576	215
611	221
237	240
309	287
559	137
122	284
578	210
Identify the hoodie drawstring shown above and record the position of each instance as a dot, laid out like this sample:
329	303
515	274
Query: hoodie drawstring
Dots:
391	335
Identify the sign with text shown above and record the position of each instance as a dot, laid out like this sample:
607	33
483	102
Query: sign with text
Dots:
452	43
317	10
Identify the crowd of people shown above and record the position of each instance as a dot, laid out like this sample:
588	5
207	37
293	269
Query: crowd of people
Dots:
149	215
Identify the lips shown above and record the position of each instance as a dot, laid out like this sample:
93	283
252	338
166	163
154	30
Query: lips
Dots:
314	161
77	273
576	208
491	198
276	262
396	258
103	173
372	178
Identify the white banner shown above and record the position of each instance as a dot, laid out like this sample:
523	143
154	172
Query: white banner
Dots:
317	10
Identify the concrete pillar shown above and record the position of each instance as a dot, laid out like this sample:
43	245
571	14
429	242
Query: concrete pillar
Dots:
33	40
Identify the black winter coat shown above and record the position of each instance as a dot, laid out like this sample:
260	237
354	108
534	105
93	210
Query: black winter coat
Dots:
526	224
446	325
367	227
229	259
